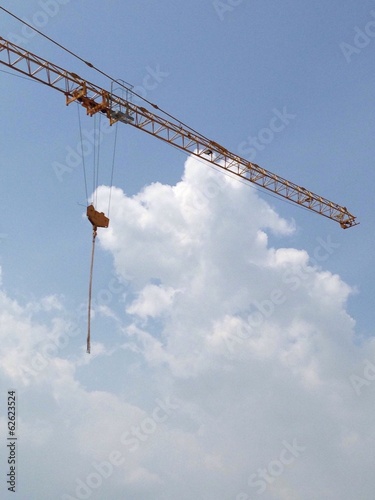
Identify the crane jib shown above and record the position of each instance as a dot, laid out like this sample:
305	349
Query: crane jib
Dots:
117	109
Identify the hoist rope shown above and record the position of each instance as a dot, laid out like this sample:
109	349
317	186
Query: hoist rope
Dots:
97	141
83	156
94	166
112	170
90	292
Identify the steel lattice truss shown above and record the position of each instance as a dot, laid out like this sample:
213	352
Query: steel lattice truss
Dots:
96	99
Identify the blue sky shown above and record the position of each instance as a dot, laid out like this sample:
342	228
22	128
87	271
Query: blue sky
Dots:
232	332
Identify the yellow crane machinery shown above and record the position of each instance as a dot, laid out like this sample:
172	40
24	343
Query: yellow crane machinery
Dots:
98	100
118	109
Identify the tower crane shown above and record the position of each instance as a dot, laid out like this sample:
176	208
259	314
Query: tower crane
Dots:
118	109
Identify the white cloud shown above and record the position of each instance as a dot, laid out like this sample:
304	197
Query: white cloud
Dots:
152	301
249	321
229	349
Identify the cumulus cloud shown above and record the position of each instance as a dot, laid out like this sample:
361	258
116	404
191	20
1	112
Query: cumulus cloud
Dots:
152	301
237	371
249	322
